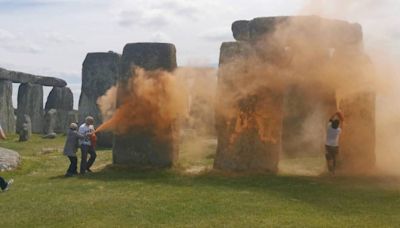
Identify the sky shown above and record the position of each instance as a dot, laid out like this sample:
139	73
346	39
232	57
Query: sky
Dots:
52	37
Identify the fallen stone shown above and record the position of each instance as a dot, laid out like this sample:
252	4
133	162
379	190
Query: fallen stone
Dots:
9	159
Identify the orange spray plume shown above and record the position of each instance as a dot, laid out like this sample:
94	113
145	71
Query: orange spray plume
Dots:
152	100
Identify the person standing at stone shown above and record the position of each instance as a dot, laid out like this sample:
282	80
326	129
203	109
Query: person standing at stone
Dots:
86	146
332	140
4	185
70	148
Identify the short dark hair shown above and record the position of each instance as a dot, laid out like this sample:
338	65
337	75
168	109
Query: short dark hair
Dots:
335	124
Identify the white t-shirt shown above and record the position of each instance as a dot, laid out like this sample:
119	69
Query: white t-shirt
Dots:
332	136
84	130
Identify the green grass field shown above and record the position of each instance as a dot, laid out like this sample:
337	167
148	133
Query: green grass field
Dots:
123	197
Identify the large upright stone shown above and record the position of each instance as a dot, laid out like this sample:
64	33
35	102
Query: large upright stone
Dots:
307	109
357	145
249	125
30	102
144	148
50	121
99	73
7	118
62	100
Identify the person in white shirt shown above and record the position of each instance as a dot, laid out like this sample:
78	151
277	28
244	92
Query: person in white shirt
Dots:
85	145
332	140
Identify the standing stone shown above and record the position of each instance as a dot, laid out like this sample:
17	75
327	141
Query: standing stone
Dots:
307	109
30	102
99	73
62	100
249	126
357	142
50	121
26	129
144	148
73	117
7	118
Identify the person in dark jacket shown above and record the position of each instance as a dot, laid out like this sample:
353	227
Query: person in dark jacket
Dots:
4	185
70	148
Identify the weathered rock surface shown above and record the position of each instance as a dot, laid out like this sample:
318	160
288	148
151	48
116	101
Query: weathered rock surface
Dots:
73	117
307	109
99	73
9	159
357	145
62	100
19	77
26	129
50	121
249	127
144	148
7	117
30	102
332	32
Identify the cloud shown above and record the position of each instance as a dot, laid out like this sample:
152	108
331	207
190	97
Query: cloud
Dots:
217	35
13	43
59	38
153	18
179	8
160	37
6	35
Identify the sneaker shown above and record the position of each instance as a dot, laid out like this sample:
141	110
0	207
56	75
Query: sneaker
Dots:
89	171
9	183
69	175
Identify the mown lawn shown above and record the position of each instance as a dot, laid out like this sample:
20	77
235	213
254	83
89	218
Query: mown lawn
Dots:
123	197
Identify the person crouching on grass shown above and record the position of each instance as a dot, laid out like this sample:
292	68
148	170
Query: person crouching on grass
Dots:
70	148
332	140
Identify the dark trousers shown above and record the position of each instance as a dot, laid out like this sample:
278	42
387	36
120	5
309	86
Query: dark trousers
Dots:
3	183
73	166
86	164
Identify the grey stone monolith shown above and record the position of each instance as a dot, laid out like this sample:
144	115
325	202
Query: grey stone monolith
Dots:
7	117
62	100
99	74
143	148
30	102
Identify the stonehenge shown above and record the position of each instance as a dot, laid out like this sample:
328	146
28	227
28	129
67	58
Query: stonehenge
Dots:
291	46
142	147
30	101
99	73
269	104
